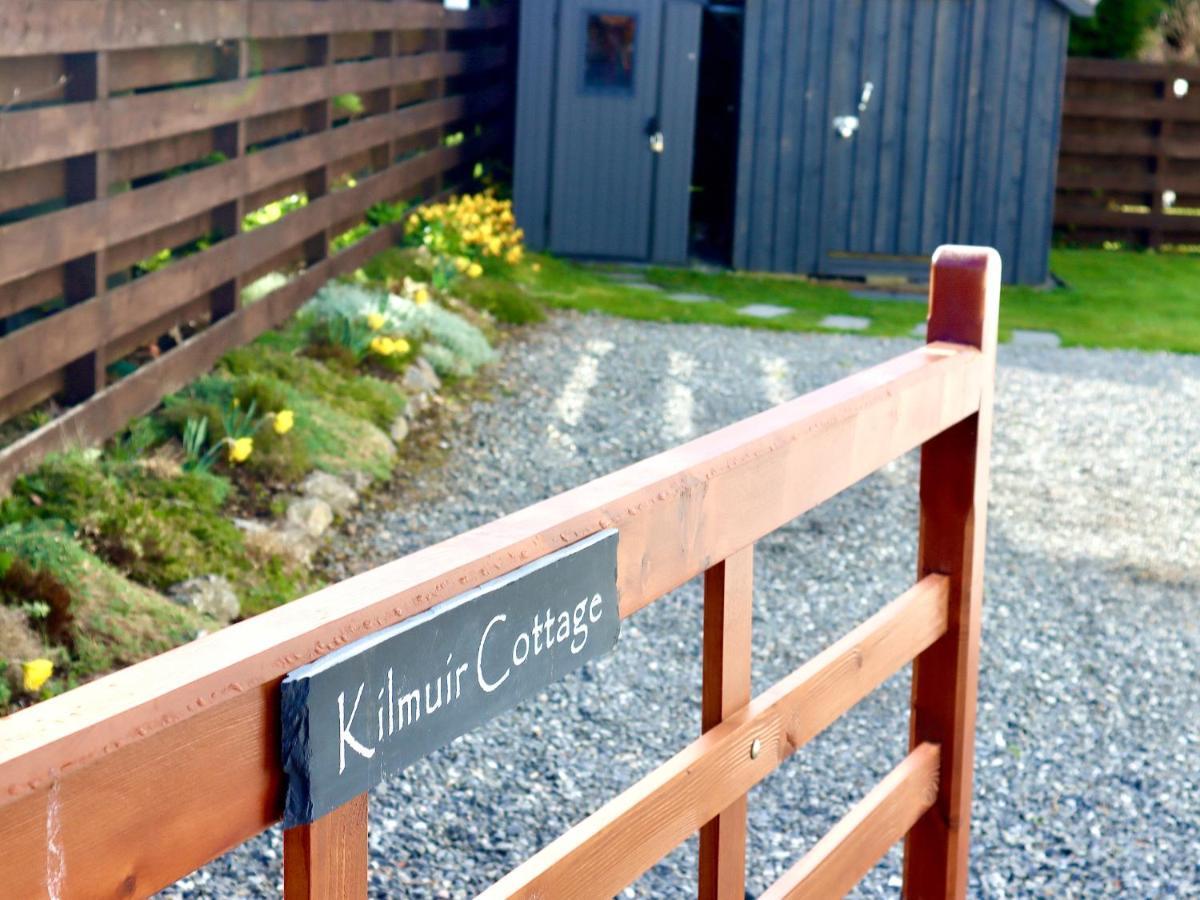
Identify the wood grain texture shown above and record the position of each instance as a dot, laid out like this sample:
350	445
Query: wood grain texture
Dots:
616	844
964	306
728	612
860	838
328	858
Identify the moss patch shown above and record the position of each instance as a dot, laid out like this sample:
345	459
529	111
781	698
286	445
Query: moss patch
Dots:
156	528
112	621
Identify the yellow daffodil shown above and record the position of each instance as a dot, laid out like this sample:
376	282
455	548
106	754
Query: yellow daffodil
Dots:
382	345
537	267
420	296
400	346
36	672
514	256
376	320
284	420
240	449
462	263
474	270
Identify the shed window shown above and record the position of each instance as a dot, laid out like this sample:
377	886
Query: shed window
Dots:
608	60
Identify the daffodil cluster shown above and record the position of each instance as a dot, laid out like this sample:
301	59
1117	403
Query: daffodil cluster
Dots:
240	427
469	231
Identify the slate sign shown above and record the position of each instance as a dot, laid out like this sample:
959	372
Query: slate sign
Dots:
374	707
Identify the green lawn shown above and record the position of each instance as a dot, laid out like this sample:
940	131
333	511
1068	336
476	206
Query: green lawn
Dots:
1146	301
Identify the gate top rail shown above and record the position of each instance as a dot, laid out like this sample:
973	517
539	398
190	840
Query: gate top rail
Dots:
199	724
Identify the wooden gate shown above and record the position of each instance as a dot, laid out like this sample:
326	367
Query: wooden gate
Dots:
128	783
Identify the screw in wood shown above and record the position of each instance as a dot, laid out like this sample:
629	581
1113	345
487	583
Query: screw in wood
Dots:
755	748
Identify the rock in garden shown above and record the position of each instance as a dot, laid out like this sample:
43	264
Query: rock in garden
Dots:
359	480
340	496
210	595
420	377
399	429
311	515
417	404
290	542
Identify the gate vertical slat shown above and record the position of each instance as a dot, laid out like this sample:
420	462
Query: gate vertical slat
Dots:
728	607
328	858
964	306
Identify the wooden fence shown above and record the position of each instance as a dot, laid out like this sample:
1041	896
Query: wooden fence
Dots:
1129	159
130	128
126	784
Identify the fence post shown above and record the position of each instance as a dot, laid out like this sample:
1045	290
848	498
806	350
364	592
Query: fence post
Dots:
728	602
964	305
87	179
329	857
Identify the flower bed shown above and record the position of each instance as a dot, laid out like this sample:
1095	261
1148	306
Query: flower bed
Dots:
211	508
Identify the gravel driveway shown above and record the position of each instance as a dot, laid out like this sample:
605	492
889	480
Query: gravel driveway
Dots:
1088	765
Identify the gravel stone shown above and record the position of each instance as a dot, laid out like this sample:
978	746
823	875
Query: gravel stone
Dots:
1088	745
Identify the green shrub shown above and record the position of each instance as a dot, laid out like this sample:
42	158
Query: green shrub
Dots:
1117	30
506	301
363	396
452	344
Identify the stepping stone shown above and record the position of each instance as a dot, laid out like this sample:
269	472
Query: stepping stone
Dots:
689	298
1030	338
846	323
764	311
920	330
624	276
640	285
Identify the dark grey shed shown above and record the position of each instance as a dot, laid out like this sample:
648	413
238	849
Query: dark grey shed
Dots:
829	137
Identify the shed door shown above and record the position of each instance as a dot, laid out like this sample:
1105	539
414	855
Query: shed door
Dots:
609	129
893	121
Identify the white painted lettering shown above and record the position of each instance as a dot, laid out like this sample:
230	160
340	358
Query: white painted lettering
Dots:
345	737
487	686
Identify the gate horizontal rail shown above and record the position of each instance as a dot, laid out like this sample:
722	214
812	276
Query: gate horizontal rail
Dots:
130	782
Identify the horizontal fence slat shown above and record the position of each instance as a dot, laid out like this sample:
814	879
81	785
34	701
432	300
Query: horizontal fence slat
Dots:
1082	214
55	238
45	134
744	481
629	834
860	839
1132	109
1085	69
40	27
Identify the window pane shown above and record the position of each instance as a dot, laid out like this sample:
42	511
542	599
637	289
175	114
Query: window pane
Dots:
608	64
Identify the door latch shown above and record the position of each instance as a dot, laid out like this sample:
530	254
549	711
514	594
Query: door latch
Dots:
846	126
655	136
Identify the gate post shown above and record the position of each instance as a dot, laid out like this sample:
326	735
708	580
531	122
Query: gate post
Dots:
728	601
328	858
964	307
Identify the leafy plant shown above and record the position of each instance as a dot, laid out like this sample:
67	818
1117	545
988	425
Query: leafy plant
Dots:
195	436
1117	30
273	212
349	103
